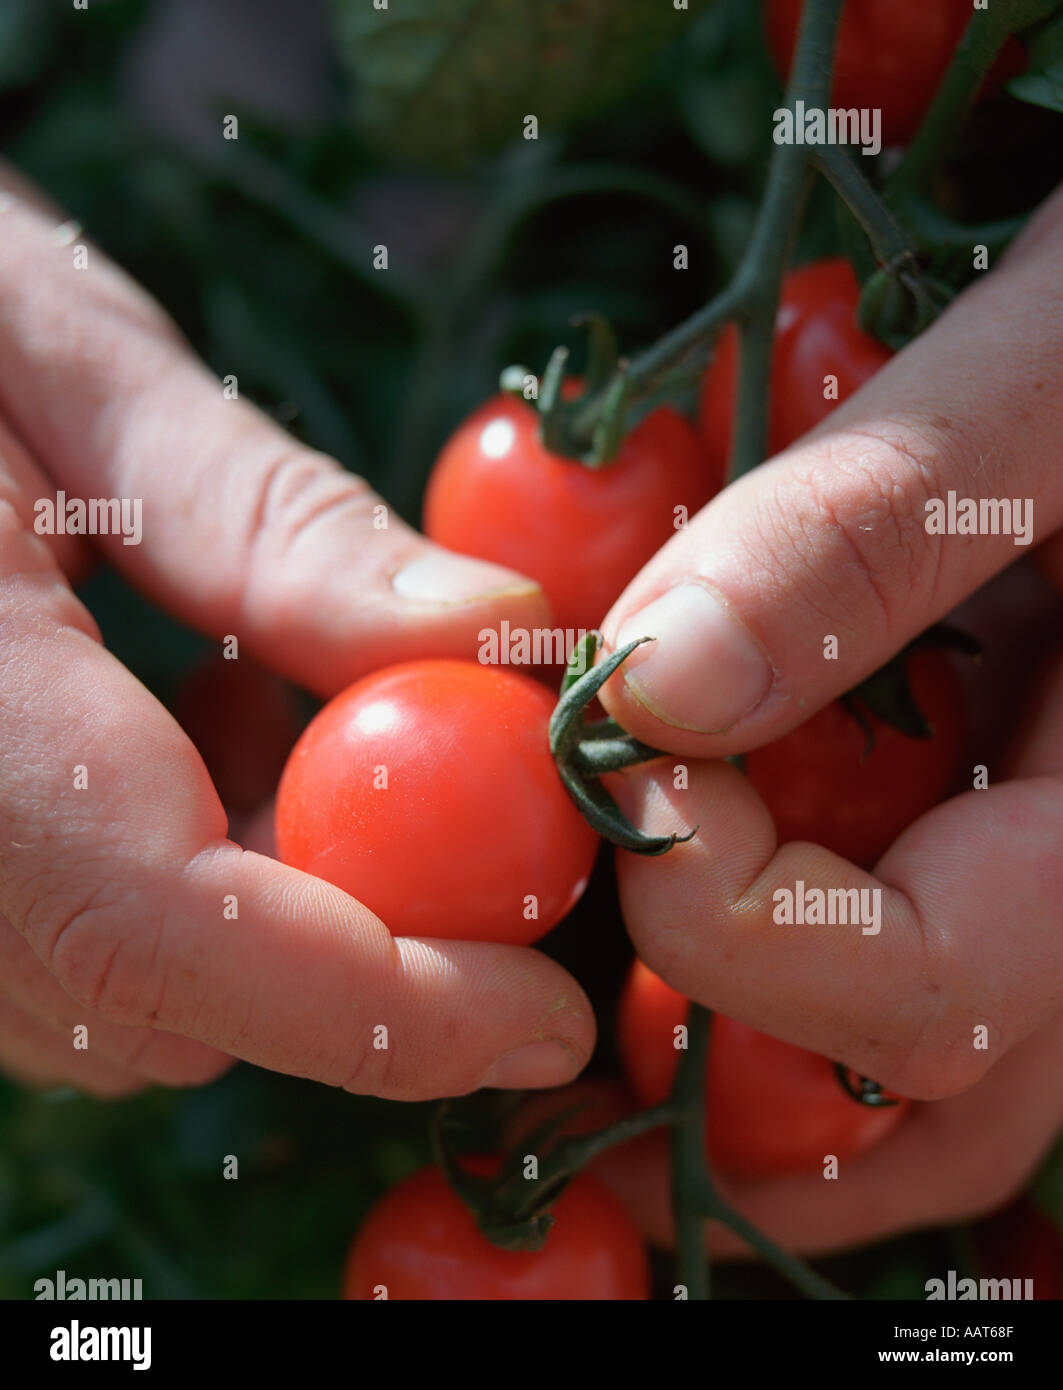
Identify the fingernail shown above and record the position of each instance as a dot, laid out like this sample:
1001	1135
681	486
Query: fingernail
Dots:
437	576
534	1066
704	671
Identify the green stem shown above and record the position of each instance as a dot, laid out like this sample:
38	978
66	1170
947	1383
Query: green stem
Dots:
889	240
515	201
688	345
789	1266
761	271
568	1156
691	1187
982	40
695	1198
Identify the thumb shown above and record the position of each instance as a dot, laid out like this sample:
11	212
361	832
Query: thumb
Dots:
838	536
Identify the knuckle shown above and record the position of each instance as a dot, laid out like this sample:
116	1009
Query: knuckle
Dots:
851	522
297	496
88	952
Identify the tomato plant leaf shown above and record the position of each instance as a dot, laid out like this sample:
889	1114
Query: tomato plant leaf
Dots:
1042	82
442	81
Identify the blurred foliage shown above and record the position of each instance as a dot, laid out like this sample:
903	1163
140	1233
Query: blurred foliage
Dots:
262	250
1042	82
442	81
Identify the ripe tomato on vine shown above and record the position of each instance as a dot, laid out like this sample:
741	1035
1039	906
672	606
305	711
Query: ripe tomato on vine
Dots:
772	1108
822	783
816	337
421	1241
427	791
583	532
891	55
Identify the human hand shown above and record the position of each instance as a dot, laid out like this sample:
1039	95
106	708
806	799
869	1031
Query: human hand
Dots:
830	538
114	881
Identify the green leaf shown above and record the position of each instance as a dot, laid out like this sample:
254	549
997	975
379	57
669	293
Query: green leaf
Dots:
441	81
1040	88
1042	82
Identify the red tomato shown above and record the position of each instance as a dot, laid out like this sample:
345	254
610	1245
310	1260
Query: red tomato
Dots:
819	786
583	533
243	720
772	1108
891	54
421	1242
1021	1242
816	335
427	791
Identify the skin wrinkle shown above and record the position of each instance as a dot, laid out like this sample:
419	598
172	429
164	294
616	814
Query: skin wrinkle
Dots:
90	991
288	492
930	489
867	550
800	553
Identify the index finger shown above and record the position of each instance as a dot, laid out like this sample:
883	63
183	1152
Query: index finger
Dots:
921	975
117	870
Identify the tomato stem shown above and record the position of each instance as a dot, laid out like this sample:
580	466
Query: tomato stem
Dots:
695	1198
787	189
512	1210
891	243
751	298
592	428
692	1192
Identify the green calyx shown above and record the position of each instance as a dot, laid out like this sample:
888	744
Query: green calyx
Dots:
887	692
900	301
584	751
588	428
513	1209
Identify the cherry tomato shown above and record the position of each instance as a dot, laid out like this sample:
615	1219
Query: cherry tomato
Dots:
583	533
816	335
420	1241
819	786
772	1108
243	720
890	55
1021	1242
427	791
